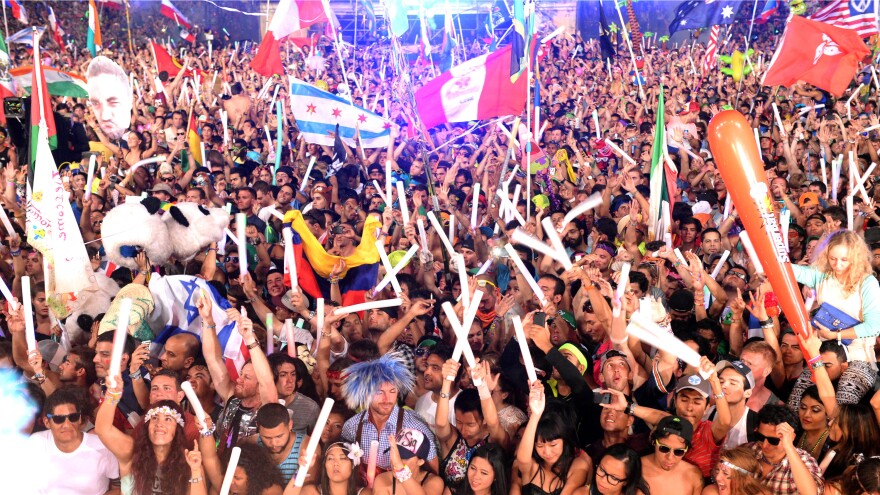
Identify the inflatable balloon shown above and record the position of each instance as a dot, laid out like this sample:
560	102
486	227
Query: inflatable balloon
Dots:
737	68
733	146
797	7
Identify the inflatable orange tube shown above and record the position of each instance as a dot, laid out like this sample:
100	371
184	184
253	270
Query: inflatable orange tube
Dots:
732	142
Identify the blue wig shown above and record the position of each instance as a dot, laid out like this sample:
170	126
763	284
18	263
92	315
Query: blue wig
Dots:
363	380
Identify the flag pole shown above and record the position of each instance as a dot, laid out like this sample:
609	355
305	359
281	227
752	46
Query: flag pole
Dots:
748	41
527	167
631	53
5	23
128	20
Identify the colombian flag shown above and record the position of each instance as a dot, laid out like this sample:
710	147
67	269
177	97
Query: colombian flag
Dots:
195	142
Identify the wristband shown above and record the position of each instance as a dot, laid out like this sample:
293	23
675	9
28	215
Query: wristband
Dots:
631	409
196	480
403	474
484	392
254	344
817	365
136	375
767	322
16	252
814	359
210	327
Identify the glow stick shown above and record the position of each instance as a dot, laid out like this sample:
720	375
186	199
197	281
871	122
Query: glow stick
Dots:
849	213
520	236
380	192
485	267
810	300
91	178
750	249
667	239
291	338
461	330
231	235
447	243
785	220
525	273
835	178
826	461
511	208
861	182
29	334
271	143
511	176
596	122
357	308
807	109
7	294
224	117
620	152
423	236
389	268
388	185
118	337
758	143
556	242
559	30
850	99
274	96
524	349
869	129
230	470
194	401
680	256
371	462
240	225
778	119
463	280
649	332
287	234
824	175
399	266
720	264
401	198
623	281
270	334
728	203
314	440
588	204
475	206
510	138
451	229
319	323
272	210
874	78
308	173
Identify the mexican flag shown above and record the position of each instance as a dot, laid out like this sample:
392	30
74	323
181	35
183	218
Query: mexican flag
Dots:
41	106
59	83
663	177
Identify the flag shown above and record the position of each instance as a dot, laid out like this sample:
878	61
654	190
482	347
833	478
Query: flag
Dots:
423	27
25	36
711	59
58	82
41	105
290	16
449	44
770	8
697	14
635	31
605	36
174	312
475	90
518	40
112	4
663	176
395	15
537	92
369	11
318	112
57	32
193	139
93	39
186	35
860	15
18	11
823	55
339	152
166	63
170	11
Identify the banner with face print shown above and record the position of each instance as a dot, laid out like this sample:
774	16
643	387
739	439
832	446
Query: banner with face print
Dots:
110	97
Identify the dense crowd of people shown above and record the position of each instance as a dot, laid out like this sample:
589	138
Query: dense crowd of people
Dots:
606	414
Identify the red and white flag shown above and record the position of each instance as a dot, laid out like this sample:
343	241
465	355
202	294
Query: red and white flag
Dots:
860	15
18	11
712	49
823	55
290	17
170	11
57	32
475	90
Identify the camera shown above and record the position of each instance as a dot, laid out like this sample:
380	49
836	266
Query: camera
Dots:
337	230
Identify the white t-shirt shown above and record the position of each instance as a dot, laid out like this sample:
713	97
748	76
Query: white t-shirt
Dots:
85	471
427	409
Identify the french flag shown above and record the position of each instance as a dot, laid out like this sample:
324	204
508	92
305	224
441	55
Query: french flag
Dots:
170	11
18	11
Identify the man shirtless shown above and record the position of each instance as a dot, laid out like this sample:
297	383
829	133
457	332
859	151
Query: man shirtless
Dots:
238	106
664	470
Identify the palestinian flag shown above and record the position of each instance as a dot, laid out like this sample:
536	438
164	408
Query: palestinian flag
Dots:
663	175
41	106
60	83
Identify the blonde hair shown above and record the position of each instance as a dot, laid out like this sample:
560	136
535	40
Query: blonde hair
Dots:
741	483
858	255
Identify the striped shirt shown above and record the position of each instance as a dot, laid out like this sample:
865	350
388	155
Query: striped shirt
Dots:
290	465
704	452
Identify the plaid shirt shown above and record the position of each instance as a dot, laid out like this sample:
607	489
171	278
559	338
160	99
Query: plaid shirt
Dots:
410	420
780	480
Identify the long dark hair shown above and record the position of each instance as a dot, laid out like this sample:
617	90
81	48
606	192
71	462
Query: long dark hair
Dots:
859	435
354	481
145	466
557	424
496	457
634	482
258	466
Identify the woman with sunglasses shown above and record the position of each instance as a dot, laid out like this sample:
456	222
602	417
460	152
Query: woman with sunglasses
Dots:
854	431
619	472
737	473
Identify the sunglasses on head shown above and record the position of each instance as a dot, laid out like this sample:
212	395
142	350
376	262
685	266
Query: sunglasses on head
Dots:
774	441
59	419
665	449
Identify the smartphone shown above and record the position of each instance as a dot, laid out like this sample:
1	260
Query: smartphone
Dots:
600	398
540	318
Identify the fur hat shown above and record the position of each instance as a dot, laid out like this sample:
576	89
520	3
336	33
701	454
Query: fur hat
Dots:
191	227
135	226
363	380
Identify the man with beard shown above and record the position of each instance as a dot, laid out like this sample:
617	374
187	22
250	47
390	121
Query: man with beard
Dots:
77	369
303	410
181	351
110	97
274	433
345	240
385	328
426	406
573	238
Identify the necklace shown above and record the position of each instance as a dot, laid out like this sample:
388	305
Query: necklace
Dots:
803	441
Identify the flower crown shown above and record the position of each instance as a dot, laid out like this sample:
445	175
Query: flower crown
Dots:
166	411
353	451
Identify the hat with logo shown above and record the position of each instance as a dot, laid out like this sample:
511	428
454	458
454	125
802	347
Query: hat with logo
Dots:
673	425
694	382
740	368
412	443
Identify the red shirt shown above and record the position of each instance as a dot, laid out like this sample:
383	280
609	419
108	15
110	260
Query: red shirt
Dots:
704	452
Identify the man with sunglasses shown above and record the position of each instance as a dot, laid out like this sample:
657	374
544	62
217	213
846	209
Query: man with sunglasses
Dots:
774	445
663	468
70	461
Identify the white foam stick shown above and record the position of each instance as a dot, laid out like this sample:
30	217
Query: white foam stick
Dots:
423	235
667	239
517	190
302	187
399	266
811	299
511	177
650	333
785	220
401	198
483	269
849	101
475	207
288	331
826	461
275	213
514	256
230	235
824	174
319	324
750	249
680	256
91	178
287	234
728	202
623	281
860	183
224	117
7	294
194	401
815	107
6	223
596	123
850	220
461	329
758	143
438	228
511	208
620	152
556	242
835	178
588	204
389	268
524	349
388	185
29	334
452	229
720	264
874	78
230	470
274	96
270	334
271	143
240	230
314	441
520	236
507	133
380	192
373	458
118	337
356	308
462	279
778	119
557	32
869	129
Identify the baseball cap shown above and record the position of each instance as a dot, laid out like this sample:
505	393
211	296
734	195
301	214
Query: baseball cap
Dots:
808	198
568	317
740	368
613	353
691	108
694	382
162	187
681	300
412	443
673	425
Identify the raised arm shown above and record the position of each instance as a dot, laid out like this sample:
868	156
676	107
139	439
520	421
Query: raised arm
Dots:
212	351
265	379
117	442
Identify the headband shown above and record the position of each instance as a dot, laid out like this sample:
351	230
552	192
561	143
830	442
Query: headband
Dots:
568	346
606	248
166	411
738	469
352	451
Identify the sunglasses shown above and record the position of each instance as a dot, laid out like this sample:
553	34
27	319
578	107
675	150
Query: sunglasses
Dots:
738	275
420	351
231	259
59	419
665	449
168	179
774	441
483	283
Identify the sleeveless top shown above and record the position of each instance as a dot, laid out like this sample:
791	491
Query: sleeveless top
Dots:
531	488
830	291
394	483
454	466
290	465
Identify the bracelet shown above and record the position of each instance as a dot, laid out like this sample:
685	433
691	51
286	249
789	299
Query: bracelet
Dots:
814	359
196	480
764	323
631	409
325	334
817	365
311	315
618	342
40	378
210	327
253	344
208	432
403	474
136	375
444	396
334	280
719	396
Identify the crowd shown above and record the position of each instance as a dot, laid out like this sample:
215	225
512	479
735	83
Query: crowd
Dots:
606	414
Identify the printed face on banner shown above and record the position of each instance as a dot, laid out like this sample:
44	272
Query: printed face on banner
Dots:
110	96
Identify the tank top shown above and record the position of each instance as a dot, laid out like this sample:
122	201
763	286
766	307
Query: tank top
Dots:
290	465
531	488
455	464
